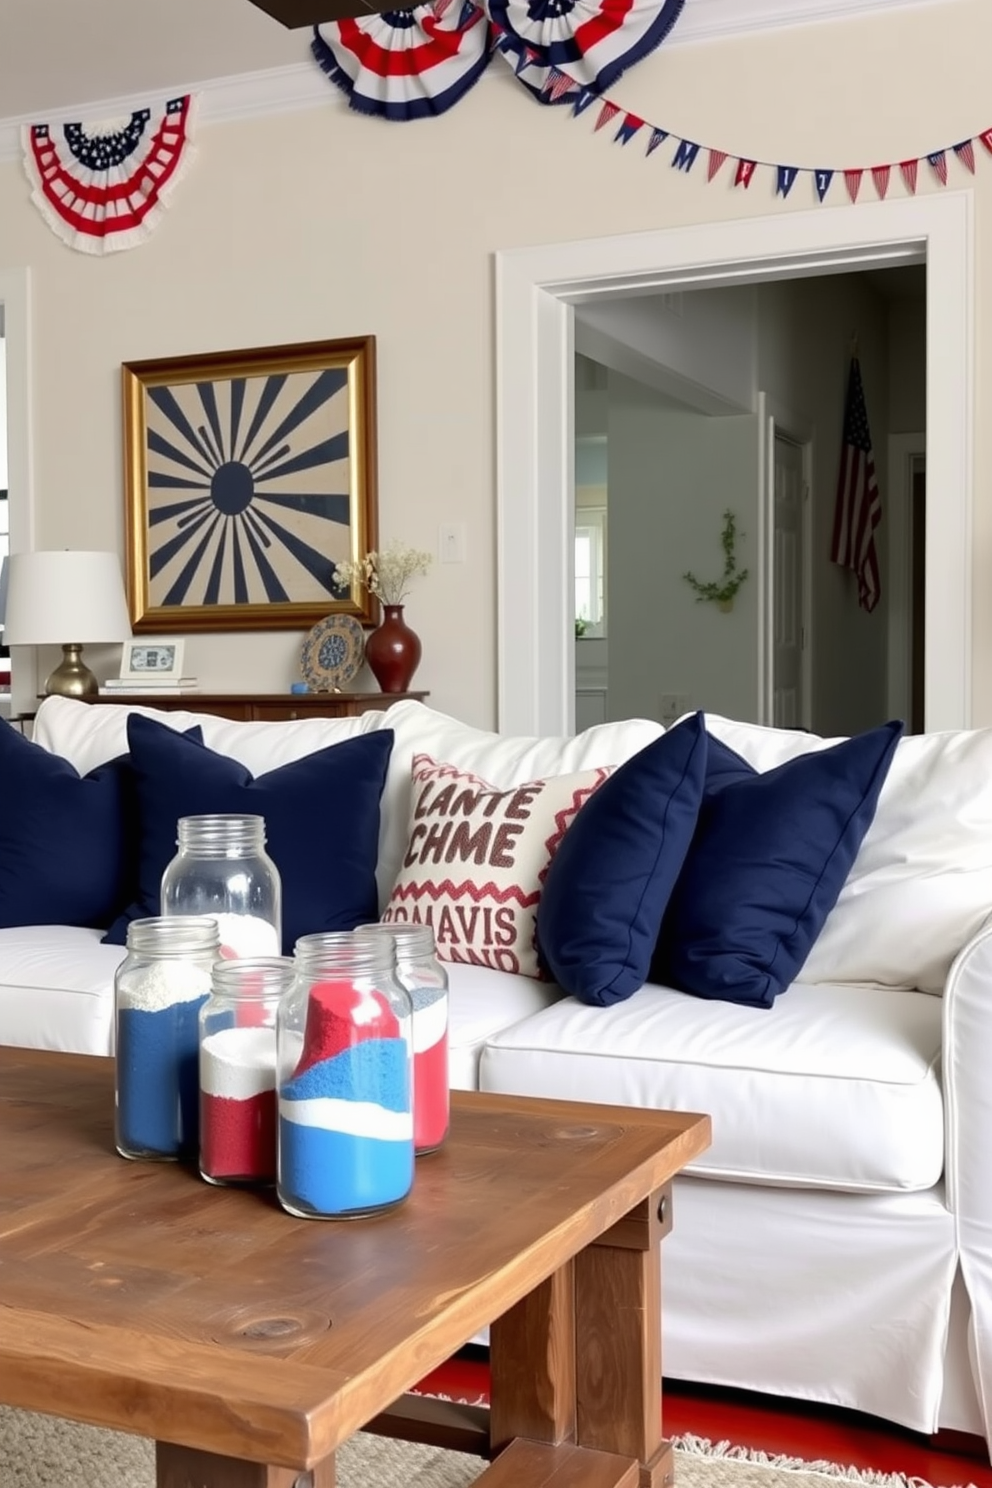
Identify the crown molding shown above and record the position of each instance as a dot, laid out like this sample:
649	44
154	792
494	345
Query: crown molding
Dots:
280	90
275	90
702	20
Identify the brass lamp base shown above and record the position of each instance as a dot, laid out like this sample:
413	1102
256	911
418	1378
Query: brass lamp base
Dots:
72	677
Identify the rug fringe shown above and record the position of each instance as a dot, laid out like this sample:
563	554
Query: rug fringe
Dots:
699	1446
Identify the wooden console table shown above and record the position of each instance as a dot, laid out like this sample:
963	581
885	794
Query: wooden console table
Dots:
265	707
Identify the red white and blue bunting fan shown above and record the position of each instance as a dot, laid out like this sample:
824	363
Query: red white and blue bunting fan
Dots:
552	45
103	187
406	64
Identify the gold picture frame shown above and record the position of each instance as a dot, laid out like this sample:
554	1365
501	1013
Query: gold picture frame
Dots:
249	475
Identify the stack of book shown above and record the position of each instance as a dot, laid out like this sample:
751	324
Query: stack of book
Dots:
149	686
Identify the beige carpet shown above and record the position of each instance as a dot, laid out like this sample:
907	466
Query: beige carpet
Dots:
44	1452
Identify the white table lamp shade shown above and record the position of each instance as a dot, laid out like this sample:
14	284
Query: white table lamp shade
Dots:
64	596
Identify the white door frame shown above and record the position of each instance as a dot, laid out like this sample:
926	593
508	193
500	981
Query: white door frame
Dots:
535	291
797	430
903	449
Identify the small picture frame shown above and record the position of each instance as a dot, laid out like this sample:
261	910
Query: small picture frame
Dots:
152	659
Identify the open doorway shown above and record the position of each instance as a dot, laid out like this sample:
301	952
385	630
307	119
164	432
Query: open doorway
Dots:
671	392
538	290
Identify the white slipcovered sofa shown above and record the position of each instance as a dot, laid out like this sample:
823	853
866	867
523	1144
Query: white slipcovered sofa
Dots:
835	1242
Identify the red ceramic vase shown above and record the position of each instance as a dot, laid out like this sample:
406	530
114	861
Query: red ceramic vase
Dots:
393	651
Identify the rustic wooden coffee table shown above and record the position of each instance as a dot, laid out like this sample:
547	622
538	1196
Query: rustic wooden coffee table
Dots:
250	1344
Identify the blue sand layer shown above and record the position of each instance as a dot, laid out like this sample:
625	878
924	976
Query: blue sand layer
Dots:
158	1080
331	1173
376	1070
423	997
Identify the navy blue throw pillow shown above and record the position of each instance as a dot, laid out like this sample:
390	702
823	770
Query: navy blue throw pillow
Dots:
768	860
321	821
609	881
66	857
723	766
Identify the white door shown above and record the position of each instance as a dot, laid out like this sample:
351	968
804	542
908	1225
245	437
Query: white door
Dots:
788	488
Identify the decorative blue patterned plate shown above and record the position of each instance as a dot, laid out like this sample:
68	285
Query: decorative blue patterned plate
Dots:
332	653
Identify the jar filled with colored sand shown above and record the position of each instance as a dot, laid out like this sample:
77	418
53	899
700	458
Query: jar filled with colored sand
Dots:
221	868
426	980
345	1081
238	1069
159	989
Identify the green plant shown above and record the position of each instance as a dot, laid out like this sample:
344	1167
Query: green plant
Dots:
721	591
580	627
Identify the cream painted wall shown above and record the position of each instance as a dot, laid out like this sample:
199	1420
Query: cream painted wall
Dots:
322	223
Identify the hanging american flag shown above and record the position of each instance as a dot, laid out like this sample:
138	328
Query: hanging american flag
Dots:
859	507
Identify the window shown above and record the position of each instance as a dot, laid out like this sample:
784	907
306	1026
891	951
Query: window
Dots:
590	570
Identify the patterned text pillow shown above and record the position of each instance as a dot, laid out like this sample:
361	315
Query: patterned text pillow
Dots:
476	859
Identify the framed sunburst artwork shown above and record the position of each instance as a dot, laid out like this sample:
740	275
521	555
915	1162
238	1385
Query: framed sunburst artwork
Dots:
249	476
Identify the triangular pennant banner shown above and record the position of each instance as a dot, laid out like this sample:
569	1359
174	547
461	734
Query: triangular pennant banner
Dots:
685	156
556	84
909	169
880	178
939	162
631	124
823	179
745	170
717	157
522	62
657	136
607	112
986	139
582	100
966	154
786	179
852	180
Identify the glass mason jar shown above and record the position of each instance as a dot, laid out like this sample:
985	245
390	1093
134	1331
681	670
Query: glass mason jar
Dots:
238	1069
222	869
159	989
426	980
345	1070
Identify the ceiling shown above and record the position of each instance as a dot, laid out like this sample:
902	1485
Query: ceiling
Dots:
57	54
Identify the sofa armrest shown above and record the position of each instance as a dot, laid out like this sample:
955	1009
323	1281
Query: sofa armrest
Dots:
967	1076
967	1079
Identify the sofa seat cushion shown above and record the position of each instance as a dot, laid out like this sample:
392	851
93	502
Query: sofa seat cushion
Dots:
481	1003
57	989
836	1088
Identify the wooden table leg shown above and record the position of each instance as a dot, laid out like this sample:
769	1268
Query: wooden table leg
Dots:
184	1467
618	1341
532	1366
